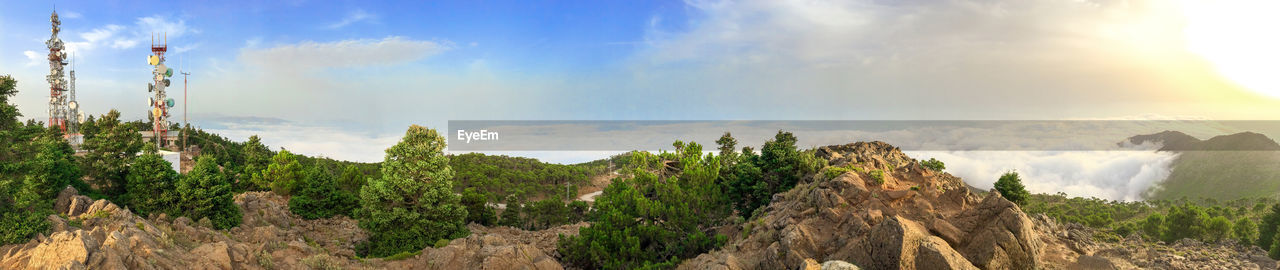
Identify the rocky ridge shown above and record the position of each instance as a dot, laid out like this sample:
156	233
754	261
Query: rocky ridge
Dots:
90	234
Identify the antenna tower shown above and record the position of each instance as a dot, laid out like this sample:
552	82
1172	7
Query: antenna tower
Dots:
58	112
159	103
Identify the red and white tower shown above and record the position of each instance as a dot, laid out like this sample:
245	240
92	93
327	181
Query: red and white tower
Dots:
160	103
59	114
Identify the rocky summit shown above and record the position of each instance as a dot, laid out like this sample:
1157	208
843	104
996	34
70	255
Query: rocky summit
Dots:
886	212
90	234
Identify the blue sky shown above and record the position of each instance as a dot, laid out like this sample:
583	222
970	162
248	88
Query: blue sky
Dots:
344	79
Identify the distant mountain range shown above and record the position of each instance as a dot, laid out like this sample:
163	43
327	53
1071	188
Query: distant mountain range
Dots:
1225	167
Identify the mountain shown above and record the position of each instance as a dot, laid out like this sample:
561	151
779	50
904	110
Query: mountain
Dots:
1178	141
1225	167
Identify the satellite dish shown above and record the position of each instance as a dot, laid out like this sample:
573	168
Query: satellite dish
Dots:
166	82
151	87
168	72
151	101
169	102
80	116
159	77
155	112
73	105
153	60
160	68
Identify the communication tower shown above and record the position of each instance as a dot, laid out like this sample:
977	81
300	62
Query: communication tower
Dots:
159	103
59	114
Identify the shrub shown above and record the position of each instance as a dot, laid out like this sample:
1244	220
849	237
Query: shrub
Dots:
1245	230
934	165
283	174
878	176
1217	229
205	192
412	204
477	209
1010	187
151	183
1186	221
320	197
441	243
833	172
1268	227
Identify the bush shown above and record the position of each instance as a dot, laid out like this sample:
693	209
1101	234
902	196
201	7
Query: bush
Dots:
151	183
878	176
1186	221
283	174
1010	187
833	172
1245	230
320	197
1217	229
934	165
412	204
643	222
205	192
477	209
441	243
1268	227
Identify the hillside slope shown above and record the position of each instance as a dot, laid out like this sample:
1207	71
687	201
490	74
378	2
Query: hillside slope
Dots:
920	219
1226	167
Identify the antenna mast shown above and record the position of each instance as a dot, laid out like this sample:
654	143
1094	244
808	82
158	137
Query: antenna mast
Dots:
160	103
185	125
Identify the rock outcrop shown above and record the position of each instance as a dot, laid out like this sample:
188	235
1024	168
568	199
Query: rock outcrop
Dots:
913	219
102	235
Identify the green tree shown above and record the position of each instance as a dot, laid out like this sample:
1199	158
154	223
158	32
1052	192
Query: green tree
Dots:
643	222
205	192
256	159
351	179
151	183
1217	229
1275	247
109	153
1010	186
1153	226
283	174
412	205
934	165
1268	227
478	210
319	196
1186	221
511	215
1246	230
727	146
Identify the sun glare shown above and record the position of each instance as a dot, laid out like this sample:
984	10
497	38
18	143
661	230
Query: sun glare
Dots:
1239	38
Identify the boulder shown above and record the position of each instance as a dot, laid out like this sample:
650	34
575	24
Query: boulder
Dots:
63	250
838	265
999	235
212	256
934	253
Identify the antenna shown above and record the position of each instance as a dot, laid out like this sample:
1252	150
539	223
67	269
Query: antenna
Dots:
186	126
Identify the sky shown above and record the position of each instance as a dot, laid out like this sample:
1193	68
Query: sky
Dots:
343	79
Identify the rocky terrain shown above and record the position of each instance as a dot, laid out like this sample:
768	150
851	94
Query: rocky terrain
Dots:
909	217
91	234
920	219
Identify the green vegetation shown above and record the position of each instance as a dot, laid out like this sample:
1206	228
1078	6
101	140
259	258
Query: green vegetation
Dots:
206	192
283	174
151	181
109	153
665	210
412	205
477	209
35	163
499	176
1222	175
1205	219
319	196
934	165
1010	187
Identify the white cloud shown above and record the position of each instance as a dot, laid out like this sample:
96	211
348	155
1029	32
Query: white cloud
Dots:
346	53
1112	175
920	59
71	15
161	26
34	58
311	140
355	16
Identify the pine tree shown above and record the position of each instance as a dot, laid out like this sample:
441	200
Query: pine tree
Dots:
109	153
283	174
1010	187
151	182
320	197
205	192
412	205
